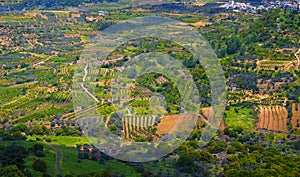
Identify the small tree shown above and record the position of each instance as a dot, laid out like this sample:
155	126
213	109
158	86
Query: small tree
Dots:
39	165
48	140
38	147
231	150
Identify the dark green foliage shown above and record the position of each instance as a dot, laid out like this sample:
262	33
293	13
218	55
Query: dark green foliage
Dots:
13	155
293	93
186	163
38	150
39	165
19	128
38	130
231	150
46	175
189	62
83	155
233	45
244	80
38	147
216	147
11	171
230	132
141	139
48	140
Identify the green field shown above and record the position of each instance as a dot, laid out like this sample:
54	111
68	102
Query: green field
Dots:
17	19
70	165
240	118
7	94
69	157
69	141
69	160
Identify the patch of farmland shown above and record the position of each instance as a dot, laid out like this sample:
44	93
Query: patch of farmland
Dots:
168	122
274	65
161	80
134	126
272	118
296	116
64	71
176	123
201	23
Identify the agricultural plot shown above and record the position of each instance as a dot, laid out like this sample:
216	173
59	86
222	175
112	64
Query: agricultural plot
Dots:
275	65
167	123
240	117
17	19
81	113
273	118
64	71
32	105
9	93
296	116
160	80
134	126
201	24
173	123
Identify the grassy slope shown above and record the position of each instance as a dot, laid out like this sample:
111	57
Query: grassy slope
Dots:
70	165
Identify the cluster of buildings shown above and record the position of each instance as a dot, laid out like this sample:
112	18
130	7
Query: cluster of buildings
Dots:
239	6
266	5
287	5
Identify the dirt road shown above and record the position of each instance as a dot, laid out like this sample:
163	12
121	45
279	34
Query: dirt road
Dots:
297	55
58	157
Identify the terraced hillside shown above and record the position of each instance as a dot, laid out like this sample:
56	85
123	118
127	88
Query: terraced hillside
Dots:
273	118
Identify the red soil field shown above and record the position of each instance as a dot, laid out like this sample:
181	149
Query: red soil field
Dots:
296	116
270	119
273	118
167	123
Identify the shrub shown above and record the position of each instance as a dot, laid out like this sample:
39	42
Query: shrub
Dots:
39	165
46	175
83	155
49	140
106	173
40	154
231	150
38	147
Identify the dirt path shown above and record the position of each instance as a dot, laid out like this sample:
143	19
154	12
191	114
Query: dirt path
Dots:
297	55
43	61
58	157
36	64
107	121
84	88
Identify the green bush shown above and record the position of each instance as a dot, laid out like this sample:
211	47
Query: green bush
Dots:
39	165
40	154
231	150
49	140
38	147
